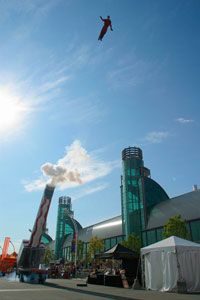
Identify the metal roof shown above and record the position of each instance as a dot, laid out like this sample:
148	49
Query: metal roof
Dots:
106	229
186	205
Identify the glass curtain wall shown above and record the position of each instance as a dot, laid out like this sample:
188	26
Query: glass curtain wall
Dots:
133	221
64	226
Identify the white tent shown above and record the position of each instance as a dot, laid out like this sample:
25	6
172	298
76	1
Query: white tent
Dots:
170	261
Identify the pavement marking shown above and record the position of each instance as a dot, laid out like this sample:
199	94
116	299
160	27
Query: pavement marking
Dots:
25	290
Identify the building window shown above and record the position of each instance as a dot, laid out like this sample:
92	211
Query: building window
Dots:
195	228
113	242
151	237
107	244
130	195
134	182
159	234
144	239
119	239
133	172
128	172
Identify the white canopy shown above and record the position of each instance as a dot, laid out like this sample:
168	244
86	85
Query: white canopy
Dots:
171	260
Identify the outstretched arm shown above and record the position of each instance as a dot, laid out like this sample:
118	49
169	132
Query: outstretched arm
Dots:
102	18
111	27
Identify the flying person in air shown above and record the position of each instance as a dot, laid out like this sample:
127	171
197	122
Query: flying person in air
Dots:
107	23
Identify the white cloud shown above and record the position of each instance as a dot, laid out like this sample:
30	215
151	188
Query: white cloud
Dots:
37	184
32	13
39	8
42	83
131	71
184	121
50	85
156	137
129	75
76	167
78	56
78	110
89	190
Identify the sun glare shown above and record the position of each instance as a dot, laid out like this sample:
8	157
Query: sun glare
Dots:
12	110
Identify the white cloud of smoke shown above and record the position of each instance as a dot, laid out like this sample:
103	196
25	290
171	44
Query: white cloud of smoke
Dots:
76	167
60	174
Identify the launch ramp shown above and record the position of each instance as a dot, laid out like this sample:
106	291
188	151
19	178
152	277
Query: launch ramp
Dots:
32	252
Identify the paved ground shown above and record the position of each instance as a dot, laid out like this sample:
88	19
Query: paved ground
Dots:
60	289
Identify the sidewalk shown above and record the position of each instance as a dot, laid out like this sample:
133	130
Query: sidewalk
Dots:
116	293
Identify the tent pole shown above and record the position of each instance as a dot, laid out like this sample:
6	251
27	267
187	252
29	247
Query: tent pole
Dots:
143	270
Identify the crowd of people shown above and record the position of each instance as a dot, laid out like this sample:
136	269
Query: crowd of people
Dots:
61	270
68	270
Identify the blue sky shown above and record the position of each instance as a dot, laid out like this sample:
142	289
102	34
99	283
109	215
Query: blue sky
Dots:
68	100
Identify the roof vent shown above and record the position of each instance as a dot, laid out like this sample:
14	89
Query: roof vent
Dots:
194	188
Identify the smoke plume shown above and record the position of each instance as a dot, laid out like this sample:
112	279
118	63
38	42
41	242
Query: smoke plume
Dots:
76	167
60	174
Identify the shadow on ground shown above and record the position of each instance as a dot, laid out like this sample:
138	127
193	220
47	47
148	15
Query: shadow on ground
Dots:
86	292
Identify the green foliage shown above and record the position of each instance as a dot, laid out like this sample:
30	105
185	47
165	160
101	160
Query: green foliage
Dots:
48	256
176	226
95	245
133	242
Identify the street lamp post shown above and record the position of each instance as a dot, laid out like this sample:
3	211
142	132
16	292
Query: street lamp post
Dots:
76	243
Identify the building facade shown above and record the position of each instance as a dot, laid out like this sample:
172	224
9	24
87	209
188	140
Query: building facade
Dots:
65	224
110	231
145	209
186	205
139	193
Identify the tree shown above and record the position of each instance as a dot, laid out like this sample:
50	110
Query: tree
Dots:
133	242
95	245
48	256
176	226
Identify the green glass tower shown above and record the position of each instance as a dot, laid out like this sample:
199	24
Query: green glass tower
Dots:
139	193
133	219
64	226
